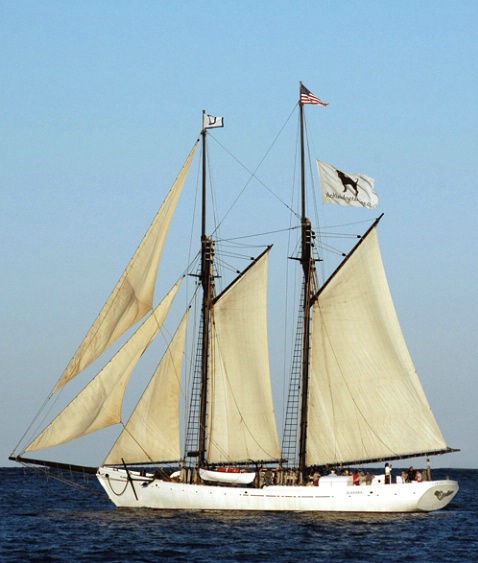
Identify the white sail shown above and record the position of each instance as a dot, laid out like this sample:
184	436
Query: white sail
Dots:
98	405
366	401
241	422
152	433
132	297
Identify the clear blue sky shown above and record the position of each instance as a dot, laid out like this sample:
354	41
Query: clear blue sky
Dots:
101	102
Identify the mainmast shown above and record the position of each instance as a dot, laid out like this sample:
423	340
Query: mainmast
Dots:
308	266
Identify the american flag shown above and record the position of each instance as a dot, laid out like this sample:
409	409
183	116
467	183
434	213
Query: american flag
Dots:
306	97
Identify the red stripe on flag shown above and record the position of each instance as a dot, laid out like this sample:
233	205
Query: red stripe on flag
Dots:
306	97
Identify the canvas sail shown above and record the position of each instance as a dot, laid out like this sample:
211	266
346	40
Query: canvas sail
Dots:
98	405
152	433
132	297
241	421
366	401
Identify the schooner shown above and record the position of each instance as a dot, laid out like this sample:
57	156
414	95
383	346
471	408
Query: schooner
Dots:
356	397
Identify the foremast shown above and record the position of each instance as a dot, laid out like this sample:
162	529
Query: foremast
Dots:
231	416
207	283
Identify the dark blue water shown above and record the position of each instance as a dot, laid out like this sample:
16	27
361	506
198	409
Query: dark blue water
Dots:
47	520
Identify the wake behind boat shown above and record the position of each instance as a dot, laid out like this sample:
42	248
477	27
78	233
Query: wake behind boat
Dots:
354	398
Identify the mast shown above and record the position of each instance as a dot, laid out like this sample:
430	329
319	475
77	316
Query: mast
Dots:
207	253
308	267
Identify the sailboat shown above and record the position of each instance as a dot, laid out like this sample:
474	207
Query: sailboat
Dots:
355	397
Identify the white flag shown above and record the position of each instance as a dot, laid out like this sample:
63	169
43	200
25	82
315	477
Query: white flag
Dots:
209	121
343	188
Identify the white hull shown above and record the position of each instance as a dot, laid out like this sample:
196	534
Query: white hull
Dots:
146	492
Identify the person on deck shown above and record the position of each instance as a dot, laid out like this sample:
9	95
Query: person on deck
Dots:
388	474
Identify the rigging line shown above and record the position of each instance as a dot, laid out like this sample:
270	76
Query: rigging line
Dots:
125	429
253	174
37	422
311	175
287	331
69	482
226	266
214	206
188	358
190	355
233	252
329	248
291	279
168	351
261	234
185	354
338	235
240	254
227	256
191	232
189	361
231	245
213	198
352	224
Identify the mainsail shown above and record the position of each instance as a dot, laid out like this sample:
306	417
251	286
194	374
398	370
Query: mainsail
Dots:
99	404
241	423
152	432
366	401
132	297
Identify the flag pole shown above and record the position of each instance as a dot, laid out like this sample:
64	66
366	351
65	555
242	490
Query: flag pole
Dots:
302	154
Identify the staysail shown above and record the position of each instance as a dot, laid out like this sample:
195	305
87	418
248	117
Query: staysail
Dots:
132	297
152	433
98	405
366	401
241	422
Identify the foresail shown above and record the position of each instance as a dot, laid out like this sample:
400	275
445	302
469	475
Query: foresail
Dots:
99	404
152	433
132	297
241	422
366	401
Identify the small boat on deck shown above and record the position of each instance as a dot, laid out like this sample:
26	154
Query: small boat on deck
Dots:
231	475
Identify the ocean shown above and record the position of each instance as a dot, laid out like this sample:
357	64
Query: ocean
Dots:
43	519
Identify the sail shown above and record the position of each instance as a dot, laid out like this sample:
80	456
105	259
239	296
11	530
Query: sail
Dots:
98	405
152	432
365	399
132	297
241	421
